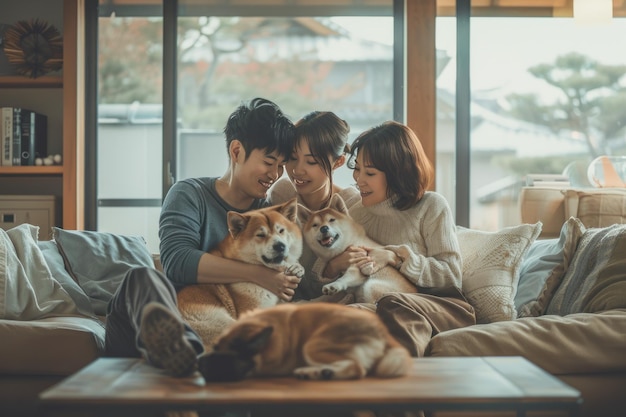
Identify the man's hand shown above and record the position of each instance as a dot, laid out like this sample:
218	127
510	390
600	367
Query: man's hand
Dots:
283	284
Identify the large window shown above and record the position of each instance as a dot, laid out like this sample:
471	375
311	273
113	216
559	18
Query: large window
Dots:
304	58
548	95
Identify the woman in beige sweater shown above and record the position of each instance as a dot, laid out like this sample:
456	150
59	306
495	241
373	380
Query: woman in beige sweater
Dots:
392	174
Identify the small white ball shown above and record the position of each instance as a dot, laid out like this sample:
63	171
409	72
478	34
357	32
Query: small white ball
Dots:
38	161
57	159
48	161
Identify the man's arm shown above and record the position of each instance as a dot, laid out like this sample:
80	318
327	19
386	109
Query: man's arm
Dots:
214	269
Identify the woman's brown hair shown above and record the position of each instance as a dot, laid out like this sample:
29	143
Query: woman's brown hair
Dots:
395	149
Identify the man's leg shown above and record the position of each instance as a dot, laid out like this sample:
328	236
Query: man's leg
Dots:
143	320
413	319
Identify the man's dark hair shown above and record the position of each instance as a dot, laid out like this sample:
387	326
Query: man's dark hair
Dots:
261	124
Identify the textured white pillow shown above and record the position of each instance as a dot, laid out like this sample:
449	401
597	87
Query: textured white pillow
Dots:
491	263
28	291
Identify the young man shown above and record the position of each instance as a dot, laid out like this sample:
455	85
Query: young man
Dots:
143	318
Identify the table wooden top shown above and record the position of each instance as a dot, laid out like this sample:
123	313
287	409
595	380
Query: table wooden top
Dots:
448	383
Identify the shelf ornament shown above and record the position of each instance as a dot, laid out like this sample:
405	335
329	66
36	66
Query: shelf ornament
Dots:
34	47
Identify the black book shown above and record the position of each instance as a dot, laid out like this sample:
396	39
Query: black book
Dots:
34	136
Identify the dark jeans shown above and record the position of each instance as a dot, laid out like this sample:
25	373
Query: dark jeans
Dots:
139	287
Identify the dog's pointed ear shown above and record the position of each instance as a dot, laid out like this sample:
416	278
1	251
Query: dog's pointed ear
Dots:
337	203
236	223
290	209
303	214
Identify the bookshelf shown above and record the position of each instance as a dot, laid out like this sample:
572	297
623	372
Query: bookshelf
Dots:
16	81
60	97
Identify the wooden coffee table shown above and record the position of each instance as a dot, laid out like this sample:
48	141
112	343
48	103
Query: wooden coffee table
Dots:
119	386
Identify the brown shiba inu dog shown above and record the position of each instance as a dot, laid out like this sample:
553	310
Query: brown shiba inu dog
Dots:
310	341
269	237
328	232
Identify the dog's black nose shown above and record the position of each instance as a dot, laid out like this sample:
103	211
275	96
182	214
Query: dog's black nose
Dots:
324	229
279	247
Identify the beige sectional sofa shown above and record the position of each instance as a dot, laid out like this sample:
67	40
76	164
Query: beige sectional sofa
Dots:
558	300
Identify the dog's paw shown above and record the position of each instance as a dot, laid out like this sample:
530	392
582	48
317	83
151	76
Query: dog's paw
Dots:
314	372
368	269
295	269
331	289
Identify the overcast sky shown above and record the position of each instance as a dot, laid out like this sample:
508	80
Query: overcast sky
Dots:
502	49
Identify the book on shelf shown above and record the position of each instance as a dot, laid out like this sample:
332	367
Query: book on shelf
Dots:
6	138
17	136
24	136
33	136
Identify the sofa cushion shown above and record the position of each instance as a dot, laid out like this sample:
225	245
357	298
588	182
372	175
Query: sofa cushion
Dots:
544	204
490	268
596	208
543	268
596	278
98	261
578	343
52	346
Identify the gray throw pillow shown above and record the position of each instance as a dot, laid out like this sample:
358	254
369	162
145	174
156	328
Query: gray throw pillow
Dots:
596	279
543	267
98	261
57	268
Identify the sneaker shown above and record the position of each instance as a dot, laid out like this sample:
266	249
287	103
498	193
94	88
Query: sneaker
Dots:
163	337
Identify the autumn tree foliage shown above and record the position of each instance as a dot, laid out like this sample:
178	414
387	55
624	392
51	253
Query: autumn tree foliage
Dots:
218	66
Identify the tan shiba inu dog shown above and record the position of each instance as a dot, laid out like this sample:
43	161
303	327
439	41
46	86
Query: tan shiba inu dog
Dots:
269	237
317	341
328	232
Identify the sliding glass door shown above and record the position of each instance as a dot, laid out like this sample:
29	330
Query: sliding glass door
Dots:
168	77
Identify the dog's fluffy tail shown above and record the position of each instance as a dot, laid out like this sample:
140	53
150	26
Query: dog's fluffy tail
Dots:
394	363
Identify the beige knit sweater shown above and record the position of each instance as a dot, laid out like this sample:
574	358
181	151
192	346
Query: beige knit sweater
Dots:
424	236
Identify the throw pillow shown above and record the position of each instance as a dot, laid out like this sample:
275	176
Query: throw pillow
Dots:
28	291
596	278
491	268
98	261
57	268
543	268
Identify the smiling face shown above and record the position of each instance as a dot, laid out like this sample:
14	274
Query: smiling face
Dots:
257	173
307	174
371	182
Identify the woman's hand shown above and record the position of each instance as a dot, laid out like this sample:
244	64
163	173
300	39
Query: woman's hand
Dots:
378	259
339	264
280	283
